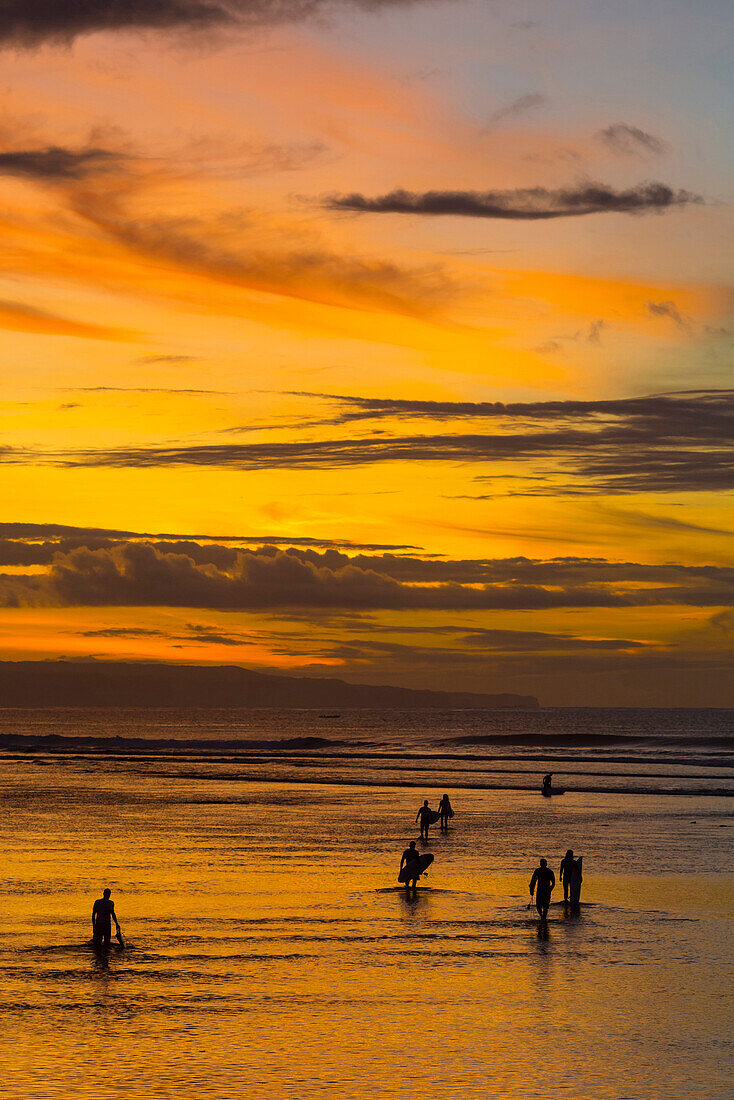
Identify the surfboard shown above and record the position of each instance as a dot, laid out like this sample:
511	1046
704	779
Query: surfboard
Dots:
434	817
576	880
415	868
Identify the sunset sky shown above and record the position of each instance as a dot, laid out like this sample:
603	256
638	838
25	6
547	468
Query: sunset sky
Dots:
384	340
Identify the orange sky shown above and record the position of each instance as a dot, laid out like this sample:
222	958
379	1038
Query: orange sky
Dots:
214	327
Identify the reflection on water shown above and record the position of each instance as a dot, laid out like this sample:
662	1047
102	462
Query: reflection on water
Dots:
272	954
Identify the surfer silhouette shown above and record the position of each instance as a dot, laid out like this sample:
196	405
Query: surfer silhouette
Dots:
565	872
424	814
548	783
103	913
410	855
445	810
542	883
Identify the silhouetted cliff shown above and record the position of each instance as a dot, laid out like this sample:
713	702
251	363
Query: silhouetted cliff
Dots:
131	683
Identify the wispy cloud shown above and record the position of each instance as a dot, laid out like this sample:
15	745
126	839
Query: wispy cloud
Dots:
629	140
522	204
667	443
518	106
686	407
205	247
21	317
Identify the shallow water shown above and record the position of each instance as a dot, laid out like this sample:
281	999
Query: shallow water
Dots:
271	954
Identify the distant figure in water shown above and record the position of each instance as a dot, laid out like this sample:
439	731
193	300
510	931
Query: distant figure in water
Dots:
542	883
410	855
565	872
547	783
444	808
103	914
424	815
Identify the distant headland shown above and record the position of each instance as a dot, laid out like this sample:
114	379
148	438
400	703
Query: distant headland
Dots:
153	684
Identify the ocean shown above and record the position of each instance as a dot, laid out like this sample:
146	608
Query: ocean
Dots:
253	858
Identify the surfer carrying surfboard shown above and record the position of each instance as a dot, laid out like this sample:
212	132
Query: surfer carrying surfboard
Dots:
410	855
566	871
412	866
542	883
572	877
103	913
427	816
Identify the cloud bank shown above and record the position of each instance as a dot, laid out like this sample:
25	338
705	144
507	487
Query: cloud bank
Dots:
28	23
140	574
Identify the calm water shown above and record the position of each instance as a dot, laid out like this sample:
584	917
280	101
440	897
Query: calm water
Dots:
271	954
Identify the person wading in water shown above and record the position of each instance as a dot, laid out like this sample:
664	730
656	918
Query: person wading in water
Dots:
103	914
446	812
565	872
424	814
542	883
411	855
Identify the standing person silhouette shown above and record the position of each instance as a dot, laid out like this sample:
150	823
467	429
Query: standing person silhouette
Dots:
411	855
565	872
548	783
103	913
424	814
542	883
445	810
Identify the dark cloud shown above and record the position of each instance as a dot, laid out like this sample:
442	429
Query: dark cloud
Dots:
122	632
27	23
212	636
630	140
69	537
196	633
139	574
56	163
154	359
522	204
151	389
670	310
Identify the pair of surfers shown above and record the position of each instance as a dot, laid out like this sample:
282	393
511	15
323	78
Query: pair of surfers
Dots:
427	816
544	881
